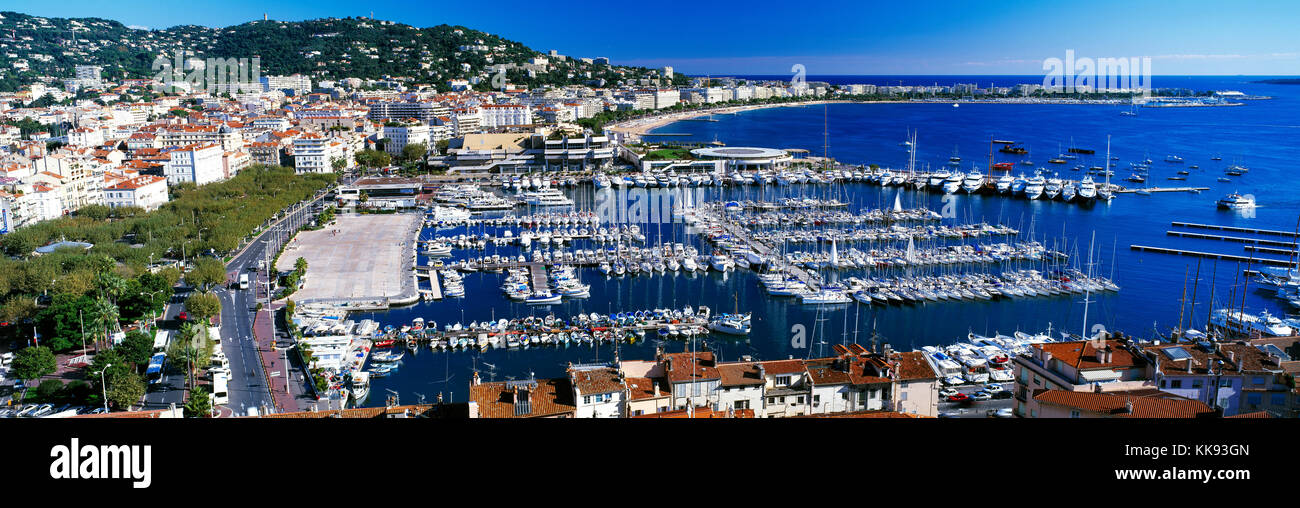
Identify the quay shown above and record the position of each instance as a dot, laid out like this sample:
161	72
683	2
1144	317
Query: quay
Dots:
1266	250
1238	239
1234	229
1211	255
1162	189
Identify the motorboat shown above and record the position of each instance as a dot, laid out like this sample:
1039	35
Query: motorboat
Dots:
1236	201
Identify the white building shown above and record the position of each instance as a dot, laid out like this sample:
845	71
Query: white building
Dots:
199	164
502	115
315	153
145	191
598	391
401	135
298	83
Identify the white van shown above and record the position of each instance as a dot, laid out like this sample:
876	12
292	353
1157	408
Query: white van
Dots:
220	394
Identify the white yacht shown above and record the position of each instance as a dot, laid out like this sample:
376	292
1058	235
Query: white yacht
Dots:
1034	187
974	180
1087	189
1237	201
1004	184
952	184
1052	189
937	179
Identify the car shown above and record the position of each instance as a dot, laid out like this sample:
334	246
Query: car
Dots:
1004	394
26	411
183	316
982	395
1005	412
947	392
993	388
45	409
949	414
99	411
958	397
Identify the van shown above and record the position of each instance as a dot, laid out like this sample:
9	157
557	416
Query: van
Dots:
220	395
243	281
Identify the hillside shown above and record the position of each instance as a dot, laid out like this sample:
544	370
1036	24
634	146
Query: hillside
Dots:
328	48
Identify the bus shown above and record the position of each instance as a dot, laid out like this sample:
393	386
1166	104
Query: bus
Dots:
160	340
154	373
243	281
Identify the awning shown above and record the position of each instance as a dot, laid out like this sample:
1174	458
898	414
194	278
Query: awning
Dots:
1093	376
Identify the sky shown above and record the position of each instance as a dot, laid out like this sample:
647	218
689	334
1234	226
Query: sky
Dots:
1192	37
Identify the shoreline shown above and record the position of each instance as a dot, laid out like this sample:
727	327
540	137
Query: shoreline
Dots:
635	129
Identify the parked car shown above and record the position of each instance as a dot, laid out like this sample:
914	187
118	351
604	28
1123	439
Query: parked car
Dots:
43	410
958	397
1005	412
183	316
993	388
1004	394
982	395
947	392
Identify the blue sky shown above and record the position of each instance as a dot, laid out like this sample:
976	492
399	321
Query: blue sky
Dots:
761	37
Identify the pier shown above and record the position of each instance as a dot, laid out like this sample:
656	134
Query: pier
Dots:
1266	250
1162	189
1234	229
1238	239
1211	255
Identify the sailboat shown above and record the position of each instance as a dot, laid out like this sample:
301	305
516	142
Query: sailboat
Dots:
1105	193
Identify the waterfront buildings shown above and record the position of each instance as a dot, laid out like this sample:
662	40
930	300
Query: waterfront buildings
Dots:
400	134
199	164
1093	365
316	153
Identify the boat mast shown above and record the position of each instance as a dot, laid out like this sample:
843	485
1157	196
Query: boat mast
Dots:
1087	293
1182	304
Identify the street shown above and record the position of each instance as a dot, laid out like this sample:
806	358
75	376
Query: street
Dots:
247	387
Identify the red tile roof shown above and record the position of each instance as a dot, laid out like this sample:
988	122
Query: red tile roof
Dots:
1145	404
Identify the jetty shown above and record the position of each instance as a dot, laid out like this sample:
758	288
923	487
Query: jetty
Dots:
1211	255
1162	189
1235	229
1238	239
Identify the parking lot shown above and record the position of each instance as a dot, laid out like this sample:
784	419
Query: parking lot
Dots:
976	408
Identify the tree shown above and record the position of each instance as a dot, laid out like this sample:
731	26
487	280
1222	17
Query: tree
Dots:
206	272
136	348
289	307
202	306
49	389
300	265
338	163
199	404
60	324
414	151
33	362
125	389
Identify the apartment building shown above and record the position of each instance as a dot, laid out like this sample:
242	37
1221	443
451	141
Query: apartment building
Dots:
145	191
316	153
1237	377
496	116
401	134
199	164
1101	364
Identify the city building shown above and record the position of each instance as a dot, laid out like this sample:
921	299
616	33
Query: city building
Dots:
199	164
145	191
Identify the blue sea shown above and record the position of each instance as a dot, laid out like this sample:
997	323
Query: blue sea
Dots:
1261	135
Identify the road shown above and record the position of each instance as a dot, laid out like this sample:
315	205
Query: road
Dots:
171	390
248	387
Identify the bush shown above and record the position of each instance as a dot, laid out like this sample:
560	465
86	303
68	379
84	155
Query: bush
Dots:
50	390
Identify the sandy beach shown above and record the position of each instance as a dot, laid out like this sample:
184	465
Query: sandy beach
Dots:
640	126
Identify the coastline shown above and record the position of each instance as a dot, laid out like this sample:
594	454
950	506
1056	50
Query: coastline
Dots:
634	129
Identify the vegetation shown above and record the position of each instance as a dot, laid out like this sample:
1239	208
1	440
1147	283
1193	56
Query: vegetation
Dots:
33	362
112	281
202	306
199	404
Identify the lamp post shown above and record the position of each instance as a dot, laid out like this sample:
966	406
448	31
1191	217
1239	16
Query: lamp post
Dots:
103	385
151	305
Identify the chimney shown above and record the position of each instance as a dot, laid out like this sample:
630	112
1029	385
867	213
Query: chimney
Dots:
1128	406
1046	357
1189	365
477	381
762	373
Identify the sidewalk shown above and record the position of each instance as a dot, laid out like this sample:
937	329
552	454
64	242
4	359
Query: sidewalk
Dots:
273	363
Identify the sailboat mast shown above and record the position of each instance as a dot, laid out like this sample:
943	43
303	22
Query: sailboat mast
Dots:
1087	294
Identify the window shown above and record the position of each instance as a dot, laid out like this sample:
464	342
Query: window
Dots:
800	401
586	399
1254	399
1277	399
742	404
771	400
1257	380
637	413
1177	383
1037	381
783	380
817	398
1074	413
1225	383
902	396
1196	383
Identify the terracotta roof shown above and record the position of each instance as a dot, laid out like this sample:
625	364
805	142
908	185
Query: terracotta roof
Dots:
1256	414
1082	355
825	371
1252	360
866	414
783	367
686	367
550	397
1114	404
360	412
593	381
641	388
913	366
740	374
700	412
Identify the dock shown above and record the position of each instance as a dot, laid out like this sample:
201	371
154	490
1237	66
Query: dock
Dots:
1235	229
1267	250
1238	239
435	287
538	272
1162	189
1211	255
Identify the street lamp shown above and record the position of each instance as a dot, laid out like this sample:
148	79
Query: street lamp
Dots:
151	304
103	385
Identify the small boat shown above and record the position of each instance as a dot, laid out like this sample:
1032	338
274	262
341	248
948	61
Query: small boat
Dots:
542	297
